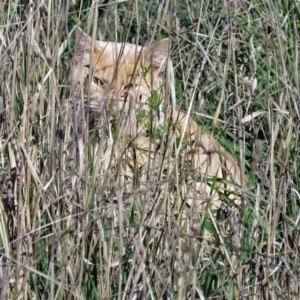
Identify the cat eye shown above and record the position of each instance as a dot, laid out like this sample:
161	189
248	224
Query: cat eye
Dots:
99	82
128	86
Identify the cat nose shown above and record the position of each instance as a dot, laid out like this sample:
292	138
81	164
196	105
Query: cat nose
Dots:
97	102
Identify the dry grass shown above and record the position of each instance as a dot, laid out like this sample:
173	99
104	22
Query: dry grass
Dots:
64	236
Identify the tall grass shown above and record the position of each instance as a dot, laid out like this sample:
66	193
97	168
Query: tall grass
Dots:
64	236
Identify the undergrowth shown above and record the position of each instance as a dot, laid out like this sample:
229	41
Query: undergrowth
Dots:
62	236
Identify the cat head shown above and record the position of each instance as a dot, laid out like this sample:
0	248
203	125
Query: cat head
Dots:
118	70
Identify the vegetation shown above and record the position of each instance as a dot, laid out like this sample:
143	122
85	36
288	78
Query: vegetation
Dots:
62	236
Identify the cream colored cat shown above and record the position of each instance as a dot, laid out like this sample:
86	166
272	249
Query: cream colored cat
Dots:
122	79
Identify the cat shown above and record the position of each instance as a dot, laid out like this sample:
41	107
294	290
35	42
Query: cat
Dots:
121	82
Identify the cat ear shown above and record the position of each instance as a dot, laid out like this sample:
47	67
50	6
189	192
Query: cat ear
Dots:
157	55
83	45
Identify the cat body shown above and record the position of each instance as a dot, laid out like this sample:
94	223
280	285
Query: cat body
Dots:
150	144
